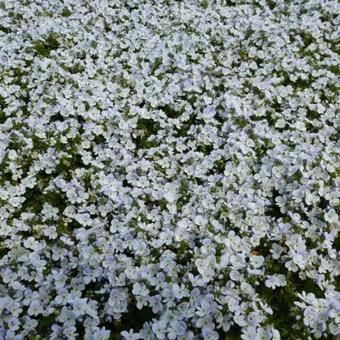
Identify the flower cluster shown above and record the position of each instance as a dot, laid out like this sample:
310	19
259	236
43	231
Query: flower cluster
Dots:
169	169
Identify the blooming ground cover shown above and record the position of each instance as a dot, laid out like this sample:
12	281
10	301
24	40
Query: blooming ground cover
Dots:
169	169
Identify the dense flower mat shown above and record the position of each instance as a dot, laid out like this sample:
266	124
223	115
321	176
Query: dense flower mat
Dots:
169	169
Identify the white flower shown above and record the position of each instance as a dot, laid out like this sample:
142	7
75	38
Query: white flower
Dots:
35	308
179	291
131	335
332	217
31	243
170	195
159	329
12	155
206	268
257	260
98	334
235	275
117	301
274	281
140	289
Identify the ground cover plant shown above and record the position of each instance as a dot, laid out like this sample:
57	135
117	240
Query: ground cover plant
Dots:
169	169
